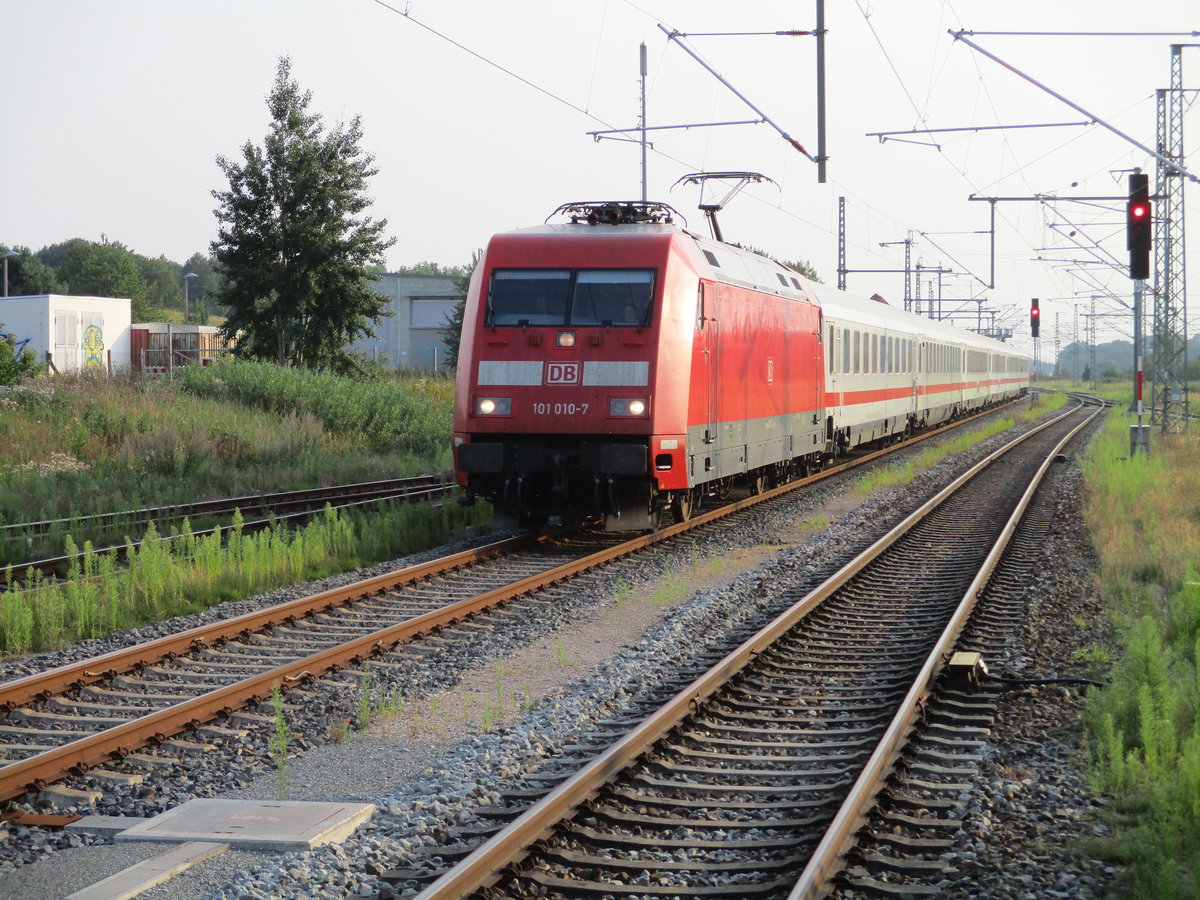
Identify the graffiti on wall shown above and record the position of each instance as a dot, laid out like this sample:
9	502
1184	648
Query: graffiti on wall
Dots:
93	347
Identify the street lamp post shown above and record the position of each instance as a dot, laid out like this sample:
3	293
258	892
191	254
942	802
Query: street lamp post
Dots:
6	256
186	279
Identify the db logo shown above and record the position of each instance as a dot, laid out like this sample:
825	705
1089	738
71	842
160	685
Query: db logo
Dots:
562	373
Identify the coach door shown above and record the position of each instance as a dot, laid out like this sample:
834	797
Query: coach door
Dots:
708	338
918	363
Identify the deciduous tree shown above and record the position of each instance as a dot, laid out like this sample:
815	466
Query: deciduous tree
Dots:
106	270
14	366
205	286
164	281
294	242
804	267
27	274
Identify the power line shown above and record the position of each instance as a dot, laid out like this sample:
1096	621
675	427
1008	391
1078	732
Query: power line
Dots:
479	56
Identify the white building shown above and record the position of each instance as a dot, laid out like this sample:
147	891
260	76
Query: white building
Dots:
71	333
412	337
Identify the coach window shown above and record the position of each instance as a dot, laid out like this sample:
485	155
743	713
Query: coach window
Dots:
830	353
857	352
845	351
875	353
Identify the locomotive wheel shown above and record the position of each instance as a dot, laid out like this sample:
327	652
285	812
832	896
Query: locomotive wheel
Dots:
683	504
758	482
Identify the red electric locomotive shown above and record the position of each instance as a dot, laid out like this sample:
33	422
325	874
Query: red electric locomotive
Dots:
617	365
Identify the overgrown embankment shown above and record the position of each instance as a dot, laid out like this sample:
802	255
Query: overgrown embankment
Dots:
78	444
1144	728
75	445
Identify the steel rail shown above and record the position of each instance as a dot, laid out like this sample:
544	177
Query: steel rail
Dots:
63	678
56	564
840	837
37	771
482	867
228	504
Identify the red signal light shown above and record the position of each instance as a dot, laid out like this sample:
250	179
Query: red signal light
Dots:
1138	222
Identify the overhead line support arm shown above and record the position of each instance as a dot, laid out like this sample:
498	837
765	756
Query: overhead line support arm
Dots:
675	36
1165	160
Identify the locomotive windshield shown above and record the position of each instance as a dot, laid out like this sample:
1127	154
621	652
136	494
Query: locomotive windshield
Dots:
570	297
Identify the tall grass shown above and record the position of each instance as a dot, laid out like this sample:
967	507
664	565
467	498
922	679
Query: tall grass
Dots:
1144	728
413	420
79	444
169	576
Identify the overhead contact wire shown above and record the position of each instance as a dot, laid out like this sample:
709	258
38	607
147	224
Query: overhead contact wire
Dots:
495	65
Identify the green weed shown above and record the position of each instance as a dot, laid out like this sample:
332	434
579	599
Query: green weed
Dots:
561	657
279	742
1144	727
362	717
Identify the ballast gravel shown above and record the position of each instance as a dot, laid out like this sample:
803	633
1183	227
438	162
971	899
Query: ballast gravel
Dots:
424	786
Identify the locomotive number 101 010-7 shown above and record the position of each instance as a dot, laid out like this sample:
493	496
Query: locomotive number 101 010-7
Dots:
560	409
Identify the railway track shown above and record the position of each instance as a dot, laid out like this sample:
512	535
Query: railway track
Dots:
292	507
105	710
754	779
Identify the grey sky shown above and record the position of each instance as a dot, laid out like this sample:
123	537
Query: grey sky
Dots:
116	110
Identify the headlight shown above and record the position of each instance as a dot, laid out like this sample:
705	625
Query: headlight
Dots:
627	407
493	406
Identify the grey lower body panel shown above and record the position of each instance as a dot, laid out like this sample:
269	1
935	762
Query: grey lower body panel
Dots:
735	448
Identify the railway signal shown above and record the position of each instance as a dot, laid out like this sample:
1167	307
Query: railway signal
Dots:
1138	219
1035	317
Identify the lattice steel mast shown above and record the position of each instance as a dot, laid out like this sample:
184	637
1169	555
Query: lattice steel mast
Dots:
1168	375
